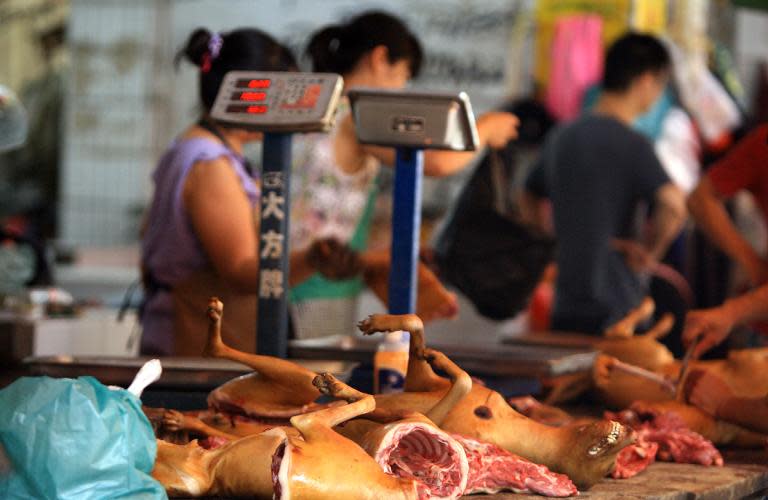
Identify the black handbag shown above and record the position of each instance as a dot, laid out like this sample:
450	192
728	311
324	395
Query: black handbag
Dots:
484	250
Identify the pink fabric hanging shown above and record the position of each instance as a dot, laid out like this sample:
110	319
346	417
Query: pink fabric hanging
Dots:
577	63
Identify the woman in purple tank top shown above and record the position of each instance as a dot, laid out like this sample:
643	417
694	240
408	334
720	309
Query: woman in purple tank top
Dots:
200	237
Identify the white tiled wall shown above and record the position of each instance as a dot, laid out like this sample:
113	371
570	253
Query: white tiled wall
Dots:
125	101
110	120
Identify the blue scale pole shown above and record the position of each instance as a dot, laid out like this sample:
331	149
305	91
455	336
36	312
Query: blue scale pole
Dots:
406	225
272	321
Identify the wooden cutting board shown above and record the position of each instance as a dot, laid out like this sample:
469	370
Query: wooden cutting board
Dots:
666	481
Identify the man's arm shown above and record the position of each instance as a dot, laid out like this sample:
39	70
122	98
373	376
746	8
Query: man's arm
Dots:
668	218
709	213
749	307
712	326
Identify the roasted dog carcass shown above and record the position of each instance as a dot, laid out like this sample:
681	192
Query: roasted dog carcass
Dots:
585	453
316	463
447	464
658	431
395	442
237	468
643	381
277	389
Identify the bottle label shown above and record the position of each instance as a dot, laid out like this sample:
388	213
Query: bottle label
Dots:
390	381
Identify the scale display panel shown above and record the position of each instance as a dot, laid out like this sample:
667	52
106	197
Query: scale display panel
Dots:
414	119
278	101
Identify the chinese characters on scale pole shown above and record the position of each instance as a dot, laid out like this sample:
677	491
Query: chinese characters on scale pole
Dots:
272	329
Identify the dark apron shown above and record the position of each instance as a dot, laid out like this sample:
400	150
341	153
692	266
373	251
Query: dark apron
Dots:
190	324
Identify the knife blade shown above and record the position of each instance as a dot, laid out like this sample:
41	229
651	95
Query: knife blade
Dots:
684	369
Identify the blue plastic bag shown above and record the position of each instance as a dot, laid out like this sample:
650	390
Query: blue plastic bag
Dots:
75	439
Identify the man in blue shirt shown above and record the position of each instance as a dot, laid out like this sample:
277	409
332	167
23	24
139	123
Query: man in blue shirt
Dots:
597	171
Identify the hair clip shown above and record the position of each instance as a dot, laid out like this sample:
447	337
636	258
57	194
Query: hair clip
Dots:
333	44
214	45
214	48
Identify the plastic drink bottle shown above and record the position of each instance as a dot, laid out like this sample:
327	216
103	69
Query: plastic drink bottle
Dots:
390	363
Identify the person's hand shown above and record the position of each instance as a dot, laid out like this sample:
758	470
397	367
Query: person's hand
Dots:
707	326
498	128
602	369
333	259
636	255
706	391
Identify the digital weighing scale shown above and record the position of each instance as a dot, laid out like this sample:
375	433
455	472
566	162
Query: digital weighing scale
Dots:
410	122
278	104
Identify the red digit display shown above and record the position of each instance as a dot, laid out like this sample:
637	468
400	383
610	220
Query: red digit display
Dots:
258	84
257	110
247	83
250	96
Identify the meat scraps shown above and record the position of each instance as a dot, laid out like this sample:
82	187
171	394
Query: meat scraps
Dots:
493	469
674	442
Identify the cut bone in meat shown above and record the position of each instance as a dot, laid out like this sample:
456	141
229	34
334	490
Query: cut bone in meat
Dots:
493	469
429	456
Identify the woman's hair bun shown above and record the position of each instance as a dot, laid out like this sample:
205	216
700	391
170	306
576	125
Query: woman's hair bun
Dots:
197	46
242	49
323	48
339	48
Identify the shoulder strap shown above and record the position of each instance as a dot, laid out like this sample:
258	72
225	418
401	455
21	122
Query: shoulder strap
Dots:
211	127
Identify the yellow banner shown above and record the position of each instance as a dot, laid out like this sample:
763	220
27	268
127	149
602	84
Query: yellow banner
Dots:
650	16
615	15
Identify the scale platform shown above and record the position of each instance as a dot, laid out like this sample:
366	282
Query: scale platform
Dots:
493	360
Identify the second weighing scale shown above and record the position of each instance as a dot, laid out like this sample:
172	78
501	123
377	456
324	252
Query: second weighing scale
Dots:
411	122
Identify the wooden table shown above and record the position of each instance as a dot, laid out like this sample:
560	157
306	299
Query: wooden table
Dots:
745	475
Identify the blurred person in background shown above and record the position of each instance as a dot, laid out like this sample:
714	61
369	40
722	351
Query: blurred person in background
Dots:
200	237
596	170
335	177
